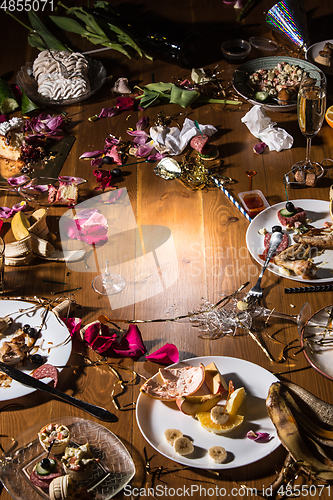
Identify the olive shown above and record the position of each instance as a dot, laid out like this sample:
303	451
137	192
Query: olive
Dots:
290	206
45	463
37	359
25	328
32	332
276	229
116	172
107	159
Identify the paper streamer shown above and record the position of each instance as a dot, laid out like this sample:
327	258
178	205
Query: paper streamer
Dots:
231	198
289	18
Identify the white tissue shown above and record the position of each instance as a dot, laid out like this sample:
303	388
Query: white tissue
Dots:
173	141
264	129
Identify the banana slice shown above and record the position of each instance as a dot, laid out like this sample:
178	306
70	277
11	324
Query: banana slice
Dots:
172	434
183	445
219	415
218	454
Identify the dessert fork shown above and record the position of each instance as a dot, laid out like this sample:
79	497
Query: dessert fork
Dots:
257	292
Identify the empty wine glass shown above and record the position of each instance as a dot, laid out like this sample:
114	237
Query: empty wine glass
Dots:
108	283
311	106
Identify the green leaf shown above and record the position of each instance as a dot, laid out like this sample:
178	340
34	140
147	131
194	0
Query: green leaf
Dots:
48	41
68	24
27	104
183	97
159	86
149	98
125	38
88	19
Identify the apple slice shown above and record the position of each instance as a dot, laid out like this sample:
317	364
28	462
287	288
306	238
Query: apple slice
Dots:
214	380
190	405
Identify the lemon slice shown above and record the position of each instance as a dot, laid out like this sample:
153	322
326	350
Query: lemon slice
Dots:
329	116
235	400
207	423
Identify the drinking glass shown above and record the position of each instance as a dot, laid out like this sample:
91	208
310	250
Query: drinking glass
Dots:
108	283
311	106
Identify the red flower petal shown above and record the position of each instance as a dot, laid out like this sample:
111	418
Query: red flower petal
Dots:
165	355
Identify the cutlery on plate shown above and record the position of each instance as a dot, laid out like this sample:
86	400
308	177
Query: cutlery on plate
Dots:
23	378
256	292
313	288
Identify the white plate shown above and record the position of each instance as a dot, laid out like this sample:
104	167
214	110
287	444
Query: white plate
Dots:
319	356
317	211
154	417
113	471
312	53
54	344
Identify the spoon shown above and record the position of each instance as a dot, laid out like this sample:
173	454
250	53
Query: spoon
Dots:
250	174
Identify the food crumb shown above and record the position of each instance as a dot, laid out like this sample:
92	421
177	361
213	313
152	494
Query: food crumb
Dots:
292	305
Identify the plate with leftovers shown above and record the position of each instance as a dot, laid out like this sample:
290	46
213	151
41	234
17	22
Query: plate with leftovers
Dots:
314	55
27	341
24	474
155	417
271	81
306	257
317	340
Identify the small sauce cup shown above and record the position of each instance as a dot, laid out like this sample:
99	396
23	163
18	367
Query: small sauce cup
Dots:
235	50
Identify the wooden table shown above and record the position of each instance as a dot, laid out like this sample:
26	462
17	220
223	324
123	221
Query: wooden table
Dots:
210	256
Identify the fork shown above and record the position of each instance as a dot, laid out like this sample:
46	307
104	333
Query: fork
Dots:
257	292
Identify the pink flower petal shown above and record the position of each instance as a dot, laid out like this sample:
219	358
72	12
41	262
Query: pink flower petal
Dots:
73	325
108	113
262	437
142	123
3	118
165	355
98	337
131	344
17	181
91	154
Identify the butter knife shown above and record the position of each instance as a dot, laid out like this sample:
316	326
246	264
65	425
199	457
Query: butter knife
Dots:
25	379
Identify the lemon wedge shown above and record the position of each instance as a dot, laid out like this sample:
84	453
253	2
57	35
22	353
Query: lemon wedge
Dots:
235	400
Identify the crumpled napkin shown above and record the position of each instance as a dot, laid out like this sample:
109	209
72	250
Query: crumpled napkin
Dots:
264	129
172	141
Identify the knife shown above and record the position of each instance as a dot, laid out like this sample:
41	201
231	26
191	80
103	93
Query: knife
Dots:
25	379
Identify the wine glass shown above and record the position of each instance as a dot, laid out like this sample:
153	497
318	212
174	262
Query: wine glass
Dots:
108	283
311	106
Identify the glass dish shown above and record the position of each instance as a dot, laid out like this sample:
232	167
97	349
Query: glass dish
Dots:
235	50
26	81
264	44
113	471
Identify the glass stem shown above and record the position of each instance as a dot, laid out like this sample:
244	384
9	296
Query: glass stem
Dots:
308	149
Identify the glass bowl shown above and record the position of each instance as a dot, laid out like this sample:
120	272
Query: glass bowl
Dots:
26	81
235	50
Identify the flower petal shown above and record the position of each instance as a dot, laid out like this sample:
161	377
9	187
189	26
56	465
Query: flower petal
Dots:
142	123
17	181
165	355
131	344
262	437
259	148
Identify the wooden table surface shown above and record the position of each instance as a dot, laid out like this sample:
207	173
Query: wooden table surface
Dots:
208	255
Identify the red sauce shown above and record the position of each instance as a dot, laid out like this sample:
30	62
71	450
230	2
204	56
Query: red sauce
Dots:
254	203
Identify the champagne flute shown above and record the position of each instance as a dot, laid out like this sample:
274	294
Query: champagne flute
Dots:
108	283
311	106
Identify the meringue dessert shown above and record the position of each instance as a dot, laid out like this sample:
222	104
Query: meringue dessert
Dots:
61	74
